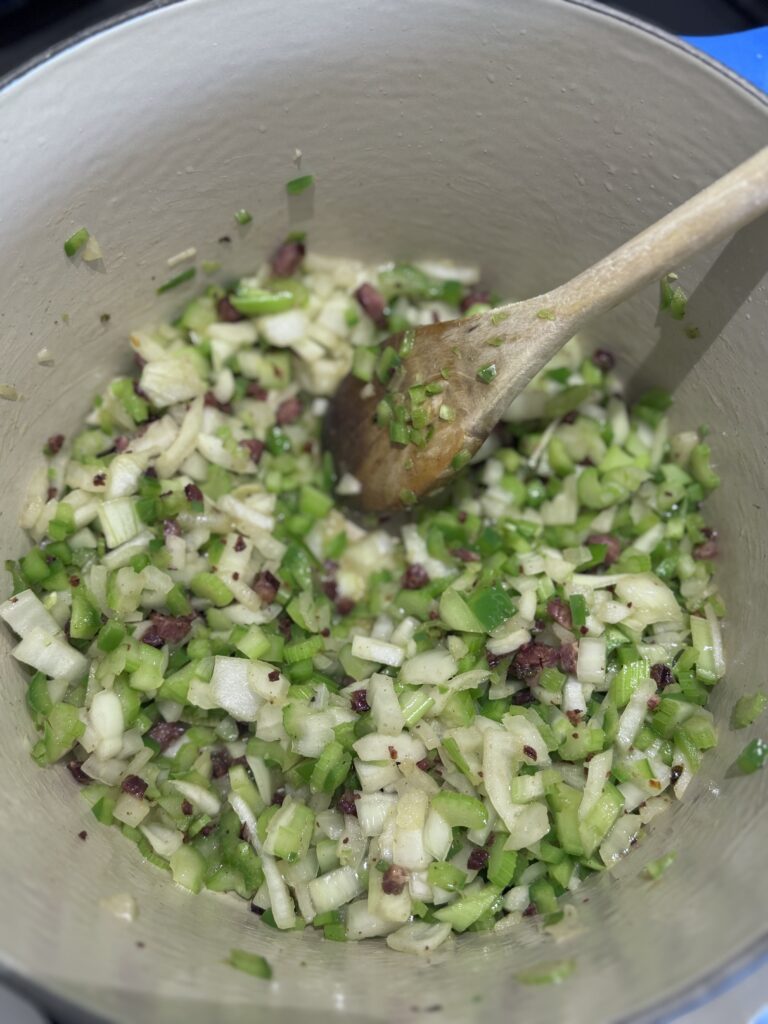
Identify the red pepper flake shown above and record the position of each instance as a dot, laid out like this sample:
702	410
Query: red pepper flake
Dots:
394	880
530	753
465	555
373	304
522	697
266	586
392	753
477	859
240	543
662	675
255	390
100	479
475	297
359	701
134	785
346	802
530	659
54	443
167	629
171	528
287	258
274	675
193	493
220	763
211	400
288	411
415	577
166	733
708	549
612	546
560	612
254	447
568	655
227	312
76	771
603	359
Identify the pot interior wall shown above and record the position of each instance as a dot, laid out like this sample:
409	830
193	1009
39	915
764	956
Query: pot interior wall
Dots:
530	138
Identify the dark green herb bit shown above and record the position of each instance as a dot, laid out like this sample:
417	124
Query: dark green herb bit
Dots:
494	342
408	497
296	186
655	868
76	241
250	963
546	314
747	710
460	459
548	974
174	282
693	333
243	217
499	316
487	373
752	757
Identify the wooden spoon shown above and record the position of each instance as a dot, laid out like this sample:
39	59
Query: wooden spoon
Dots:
516	340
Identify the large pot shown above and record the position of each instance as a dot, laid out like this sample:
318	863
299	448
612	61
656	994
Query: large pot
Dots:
531	137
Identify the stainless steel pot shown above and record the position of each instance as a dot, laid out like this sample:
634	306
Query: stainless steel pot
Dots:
531	137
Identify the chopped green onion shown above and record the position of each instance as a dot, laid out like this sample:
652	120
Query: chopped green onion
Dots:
296	186
243	217
76	241
174	282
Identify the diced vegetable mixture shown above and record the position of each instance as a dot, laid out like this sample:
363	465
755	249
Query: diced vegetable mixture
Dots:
437	724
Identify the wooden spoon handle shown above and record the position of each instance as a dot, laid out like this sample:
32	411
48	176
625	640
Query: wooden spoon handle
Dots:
717	211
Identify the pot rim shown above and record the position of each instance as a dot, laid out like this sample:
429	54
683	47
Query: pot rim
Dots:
734	969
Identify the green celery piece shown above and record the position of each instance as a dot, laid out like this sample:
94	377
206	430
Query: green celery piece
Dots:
467	909
747	710
460	810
